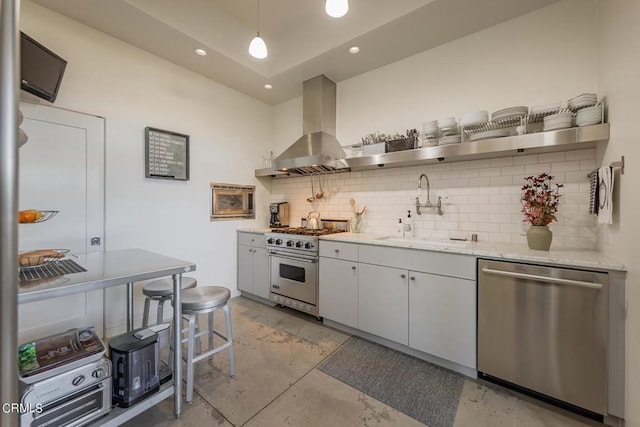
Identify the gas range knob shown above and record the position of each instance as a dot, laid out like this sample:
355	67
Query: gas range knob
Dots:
270	241
289	243
278	242
298	244
98	372
308	245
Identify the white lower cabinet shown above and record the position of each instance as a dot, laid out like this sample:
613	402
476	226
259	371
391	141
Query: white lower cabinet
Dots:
253	265
442	317
339	291
383	302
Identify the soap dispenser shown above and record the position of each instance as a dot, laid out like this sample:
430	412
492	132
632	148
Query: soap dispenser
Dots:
408	225
400	228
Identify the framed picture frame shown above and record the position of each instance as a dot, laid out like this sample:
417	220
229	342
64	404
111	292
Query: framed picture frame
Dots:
166	154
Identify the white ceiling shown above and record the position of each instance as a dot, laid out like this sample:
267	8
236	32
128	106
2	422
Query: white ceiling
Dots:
303	41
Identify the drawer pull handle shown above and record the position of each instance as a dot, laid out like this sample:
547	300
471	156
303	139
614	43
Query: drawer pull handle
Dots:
353	267
413	278
403	275
336	250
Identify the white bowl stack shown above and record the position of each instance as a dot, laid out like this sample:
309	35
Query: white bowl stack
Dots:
589	116
451	139
449	127
558	121
430	133
474	119
582	101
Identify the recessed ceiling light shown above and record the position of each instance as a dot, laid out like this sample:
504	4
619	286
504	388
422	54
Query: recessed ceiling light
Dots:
268	86
354	49
201	52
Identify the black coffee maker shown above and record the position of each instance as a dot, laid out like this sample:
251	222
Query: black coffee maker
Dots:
279	215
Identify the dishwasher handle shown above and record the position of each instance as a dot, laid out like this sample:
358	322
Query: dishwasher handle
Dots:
554	280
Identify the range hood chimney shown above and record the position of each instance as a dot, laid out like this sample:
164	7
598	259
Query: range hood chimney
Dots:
317	150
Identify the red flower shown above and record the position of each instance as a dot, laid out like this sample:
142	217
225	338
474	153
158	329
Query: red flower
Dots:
540	199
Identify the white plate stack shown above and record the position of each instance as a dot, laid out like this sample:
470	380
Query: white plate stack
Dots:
474	119
449	127
430	133
582	101
496	133
589	116
558	121
451	139
509	114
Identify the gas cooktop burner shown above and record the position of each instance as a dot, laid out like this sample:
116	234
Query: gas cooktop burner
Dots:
305	232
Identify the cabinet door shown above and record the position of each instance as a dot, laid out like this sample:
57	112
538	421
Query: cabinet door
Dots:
261	283
442	317
339	291
383	302
62	168
245	268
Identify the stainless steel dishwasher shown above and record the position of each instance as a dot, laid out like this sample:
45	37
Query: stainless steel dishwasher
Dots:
544	329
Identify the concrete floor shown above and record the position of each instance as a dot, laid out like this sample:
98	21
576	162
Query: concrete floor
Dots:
277	383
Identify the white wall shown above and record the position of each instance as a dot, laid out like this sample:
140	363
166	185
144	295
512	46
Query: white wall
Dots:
619	70
133	89
545	56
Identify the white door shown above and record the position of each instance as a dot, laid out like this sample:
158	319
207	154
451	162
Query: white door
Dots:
62	169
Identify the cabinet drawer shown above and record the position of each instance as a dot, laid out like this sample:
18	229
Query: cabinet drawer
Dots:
252	239
346	251
445	264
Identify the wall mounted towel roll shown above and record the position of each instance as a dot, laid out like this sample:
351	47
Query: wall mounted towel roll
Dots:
605	193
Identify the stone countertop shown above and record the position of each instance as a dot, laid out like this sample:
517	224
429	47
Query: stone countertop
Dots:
257	230
561	257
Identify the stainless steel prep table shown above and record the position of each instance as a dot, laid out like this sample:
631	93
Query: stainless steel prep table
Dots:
116	268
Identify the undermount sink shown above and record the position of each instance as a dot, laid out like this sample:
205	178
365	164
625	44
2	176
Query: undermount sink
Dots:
424	241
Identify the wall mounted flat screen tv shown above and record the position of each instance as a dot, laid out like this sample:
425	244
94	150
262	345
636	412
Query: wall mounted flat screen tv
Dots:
41	70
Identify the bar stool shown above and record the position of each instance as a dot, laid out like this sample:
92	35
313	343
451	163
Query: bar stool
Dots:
161	290
195	301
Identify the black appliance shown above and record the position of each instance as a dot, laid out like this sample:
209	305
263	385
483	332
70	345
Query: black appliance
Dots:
135	356
41	70
279	215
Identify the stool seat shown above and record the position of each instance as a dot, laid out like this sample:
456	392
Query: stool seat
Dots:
205	297
195	302
163	288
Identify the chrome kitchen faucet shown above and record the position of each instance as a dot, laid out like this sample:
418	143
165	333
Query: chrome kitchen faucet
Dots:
428	204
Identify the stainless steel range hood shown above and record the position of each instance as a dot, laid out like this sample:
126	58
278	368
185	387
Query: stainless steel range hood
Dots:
317	150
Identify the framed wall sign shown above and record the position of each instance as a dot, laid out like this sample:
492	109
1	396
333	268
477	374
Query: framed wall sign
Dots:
166	154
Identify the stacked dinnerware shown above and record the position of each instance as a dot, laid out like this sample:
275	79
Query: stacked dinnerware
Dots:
430	128
496	133
558	121
508	114
546	108
451	139
589	116
449	127
475	118
582	101
430	133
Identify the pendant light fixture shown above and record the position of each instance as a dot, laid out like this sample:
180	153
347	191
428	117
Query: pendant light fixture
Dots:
336	8
257	47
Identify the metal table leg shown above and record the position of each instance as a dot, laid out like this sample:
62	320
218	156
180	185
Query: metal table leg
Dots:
129	306
177	345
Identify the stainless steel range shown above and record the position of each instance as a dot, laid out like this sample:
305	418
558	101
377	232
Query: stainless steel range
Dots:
293	264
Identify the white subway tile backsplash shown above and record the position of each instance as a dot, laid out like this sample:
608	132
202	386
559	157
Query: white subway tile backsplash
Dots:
587	154
479	196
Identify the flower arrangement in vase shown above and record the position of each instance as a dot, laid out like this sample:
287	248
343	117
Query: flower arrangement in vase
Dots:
540	197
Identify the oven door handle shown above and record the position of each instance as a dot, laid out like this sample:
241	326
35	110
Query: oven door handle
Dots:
293	258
